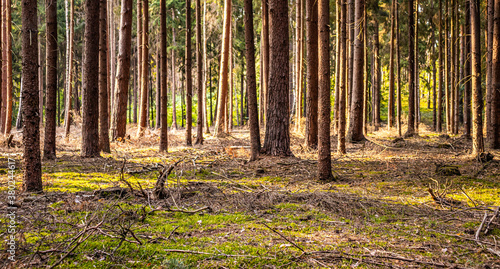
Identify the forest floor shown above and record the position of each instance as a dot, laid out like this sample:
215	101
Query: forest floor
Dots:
220	211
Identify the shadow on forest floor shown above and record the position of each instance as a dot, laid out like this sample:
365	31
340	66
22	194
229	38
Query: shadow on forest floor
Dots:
220	211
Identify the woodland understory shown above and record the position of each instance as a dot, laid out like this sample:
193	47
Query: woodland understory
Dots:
218	210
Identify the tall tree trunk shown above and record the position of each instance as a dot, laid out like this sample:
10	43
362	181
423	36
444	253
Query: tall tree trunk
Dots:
174	82
163	83
456	85
489	71
32	178
355	132
324	147
377	79
350	56
365	68
103	80
390	114
199	75
158	87
220	125
411	71
143	112
434	81
119	117
19	120
417	74
3	38
337	68
453	54
264	63
312	73
189	77
69	84
439	121
277	138
477	94
2	45
299	63
229	104
9	94
447	70
399	111
49	146
204	99
90	122
341	149
494	140
112	56
139	45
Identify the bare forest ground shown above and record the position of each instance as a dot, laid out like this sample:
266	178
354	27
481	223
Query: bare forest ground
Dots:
219	211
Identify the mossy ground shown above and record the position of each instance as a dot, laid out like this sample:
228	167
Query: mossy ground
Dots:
271	213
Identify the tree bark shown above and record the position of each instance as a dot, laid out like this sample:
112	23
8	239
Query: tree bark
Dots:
9	94
398	78
376	78
69	72
103	80
477	95
220	125
205	64
312	73
174	82
411	71
341	149
390	114
277	138
32	178
494	140
417	74
439	120
158	86
90	122
264	62
189	78
49	147
119	117
489	72
299	63
324	147
199	76
144	78
137	90
163	80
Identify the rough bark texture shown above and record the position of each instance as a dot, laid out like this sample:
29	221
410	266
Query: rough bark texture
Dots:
411	71
253	115
477	95
277	138
163	80
439	121
174	82
69	72
343	74
390	113
138	58
2	62
467	73
299	63
119	117
49	146
90	120
189	76
32	178
144	78
324	155
489	72
398	78
264	62
199	76
312	73
103	80
356	115
205	67
9	90
377	78
494	140
224	72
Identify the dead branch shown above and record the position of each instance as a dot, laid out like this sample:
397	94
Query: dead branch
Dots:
189	211
159	189
282	236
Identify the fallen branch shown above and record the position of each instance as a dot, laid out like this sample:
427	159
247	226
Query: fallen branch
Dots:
481	226
208	253
189	211
495	214
159	189
282	236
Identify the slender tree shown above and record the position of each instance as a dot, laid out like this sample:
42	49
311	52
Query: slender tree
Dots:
390	115
119	117
138	58
189	77
312	73
324	155
489	71
103	79
440	89
299	63
32	178
494	140
69	58
377	78
355	132
251	83
467	74
2	62
411	71
341	149
224	72
9	90
264	62
163	79
277	138
49	147
174	82
477	95
398	77
205	66
143	112
199	75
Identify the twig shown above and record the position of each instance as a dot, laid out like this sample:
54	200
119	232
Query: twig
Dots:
481	226
282	236
473	202
208	253
491	220
188	211
172	232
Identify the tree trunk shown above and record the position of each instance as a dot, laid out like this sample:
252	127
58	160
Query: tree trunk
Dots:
32	178
416	90
163	80
9	93
299	63
229	104
439	121
456	85
324	147
477	95
199	76
399	111
390	114
365	68
90	122
355	132
189	78
139	39
350	56
158	87
69	84
103	80
119	117
264	62
376	78
447	70
49	147
2	73
494	140
411	71
277	138
144	78
337	68
112	56
434	81
312	73
489	72
341	149
174	82
19	120
220	125
205	63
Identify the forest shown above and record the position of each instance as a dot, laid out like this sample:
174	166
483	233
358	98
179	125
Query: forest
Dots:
250	134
